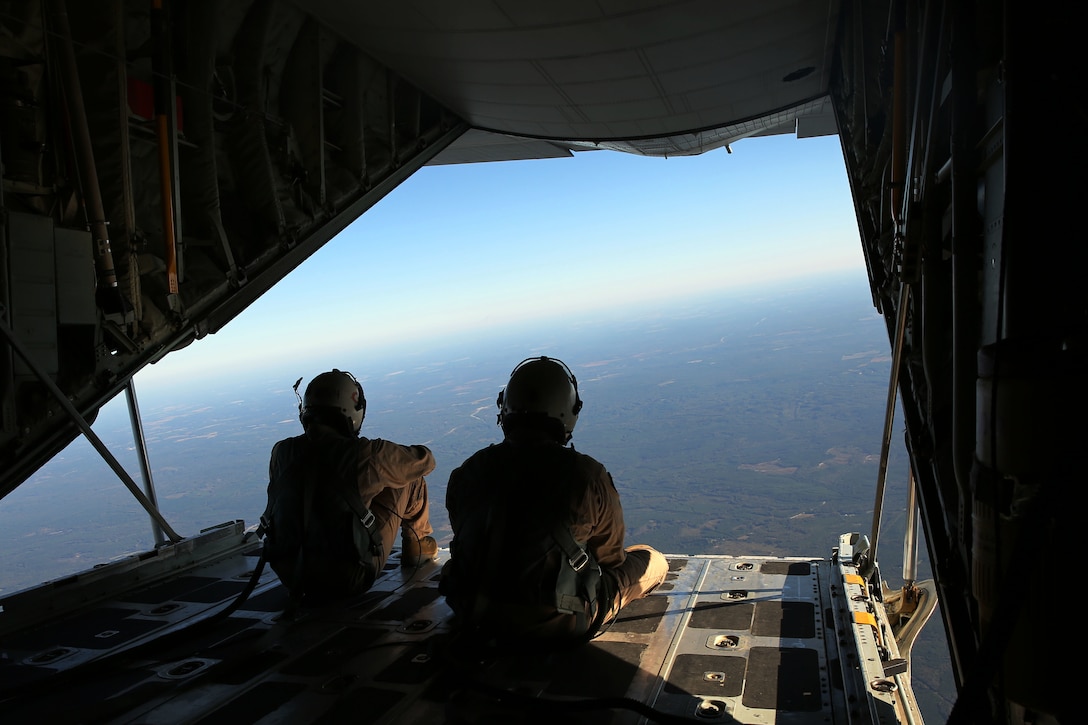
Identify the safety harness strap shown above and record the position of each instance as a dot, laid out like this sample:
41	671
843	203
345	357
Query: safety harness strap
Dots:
578	580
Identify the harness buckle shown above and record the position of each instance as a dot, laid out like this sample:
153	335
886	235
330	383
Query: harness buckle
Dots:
579	562
368	520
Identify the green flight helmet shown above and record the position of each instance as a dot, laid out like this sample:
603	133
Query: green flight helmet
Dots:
539	389
330	393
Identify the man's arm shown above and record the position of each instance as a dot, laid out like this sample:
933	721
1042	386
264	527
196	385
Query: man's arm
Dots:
608	530
453	492
384	464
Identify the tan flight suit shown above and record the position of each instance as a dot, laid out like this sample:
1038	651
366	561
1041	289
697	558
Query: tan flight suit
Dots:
390	479
532	484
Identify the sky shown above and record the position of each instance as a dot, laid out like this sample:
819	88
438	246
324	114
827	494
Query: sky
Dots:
464	249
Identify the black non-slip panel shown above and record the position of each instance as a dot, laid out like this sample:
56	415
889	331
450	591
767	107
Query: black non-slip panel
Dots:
415	665
721	614
215	592
254	704
787	568
788	620
783	679
406	605
641	616
362	705
706	675
604	669
98	629
170	590
274	600
242	668
333	653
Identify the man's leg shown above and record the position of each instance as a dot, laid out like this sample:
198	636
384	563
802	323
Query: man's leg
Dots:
407	509
416	519
643	570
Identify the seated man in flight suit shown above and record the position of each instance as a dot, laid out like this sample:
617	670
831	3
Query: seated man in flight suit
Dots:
336	499
538	533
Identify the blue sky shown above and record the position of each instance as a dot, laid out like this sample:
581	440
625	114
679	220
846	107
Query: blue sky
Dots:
465	248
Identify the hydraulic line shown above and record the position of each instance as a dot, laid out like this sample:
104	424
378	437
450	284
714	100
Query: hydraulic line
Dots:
889	417
164	122
108	294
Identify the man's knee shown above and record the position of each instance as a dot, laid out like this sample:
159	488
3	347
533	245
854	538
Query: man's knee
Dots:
643	569
652	566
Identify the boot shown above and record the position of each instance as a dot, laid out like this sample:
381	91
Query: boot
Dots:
416	551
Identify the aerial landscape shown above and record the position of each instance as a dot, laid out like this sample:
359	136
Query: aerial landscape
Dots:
742	424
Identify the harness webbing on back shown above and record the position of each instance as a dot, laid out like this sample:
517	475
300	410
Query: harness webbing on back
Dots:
516	563
578	580
366	517
576	592
311	475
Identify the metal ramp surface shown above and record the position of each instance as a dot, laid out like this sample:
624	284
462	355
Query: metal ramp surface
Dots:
724	639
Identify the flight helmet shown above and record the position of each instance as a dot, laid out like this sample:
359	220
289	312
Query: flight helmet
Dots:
333	397
541	391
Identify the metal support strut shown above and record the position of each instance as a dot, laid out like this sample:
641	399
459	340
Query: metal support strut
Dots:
90	434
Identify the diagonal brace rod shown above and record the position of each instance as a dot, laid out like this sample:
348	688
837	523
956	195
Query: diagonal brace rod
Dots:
90	434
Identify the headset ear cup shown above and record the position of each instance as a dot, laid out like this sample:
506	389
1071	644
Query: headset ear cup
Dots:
498	401
574	384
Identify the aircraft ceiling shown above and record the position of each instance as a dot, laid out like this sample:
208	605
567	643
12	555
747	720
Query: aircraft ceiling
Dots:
661	78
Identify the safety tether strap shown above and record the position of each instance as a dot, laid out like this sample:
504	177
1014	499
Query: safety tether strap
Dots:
579	567
307	471
350	494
